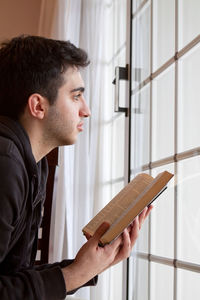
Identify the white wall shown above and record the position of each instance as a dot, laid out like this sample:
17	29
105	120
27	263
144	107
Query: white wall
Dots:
19	17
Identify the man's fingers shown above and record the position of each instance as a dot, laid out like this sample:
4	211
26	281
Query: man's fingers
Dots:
134	230
144	214
126	239
150	207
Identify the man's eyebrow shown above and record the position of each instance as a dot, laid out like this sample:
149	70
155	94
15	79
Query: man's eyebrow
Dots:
80	89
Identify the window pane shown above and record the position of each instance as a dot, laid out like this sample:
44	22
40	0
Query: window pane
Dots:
119	46
163	31
189	21
116	188
116	282
140	128
138	275
141	46
136	4
161	282
143	239
105	149
189	103
162	219
118	147
163	115
189	210
188	285
119	24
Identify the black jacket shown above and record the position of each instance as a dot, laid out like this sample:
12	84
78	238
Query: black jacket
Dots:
22	194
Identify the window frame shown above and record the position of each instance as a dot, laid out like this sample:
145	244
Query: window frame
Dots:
175	158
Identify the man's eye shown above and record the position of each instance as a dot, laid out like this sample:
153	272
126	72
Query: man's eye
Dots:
76	97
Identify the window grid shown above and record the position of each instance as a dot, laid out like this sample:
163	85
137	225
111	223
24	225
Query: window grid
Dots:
170	262
171	61
177	264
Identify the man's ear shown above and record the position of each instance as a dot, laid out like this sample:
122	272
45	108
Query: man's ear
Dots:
37	106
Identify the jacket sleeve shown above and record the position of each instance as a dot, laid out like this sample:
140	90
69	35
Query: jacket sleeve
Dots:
63	264
43	283
33	285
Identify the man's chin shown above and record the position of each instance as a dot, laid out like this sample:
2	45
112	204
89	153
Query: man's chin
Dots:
71	141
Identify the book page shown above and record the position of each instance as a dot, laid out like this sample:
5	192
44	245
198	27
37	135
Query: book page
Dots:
115	208
137	205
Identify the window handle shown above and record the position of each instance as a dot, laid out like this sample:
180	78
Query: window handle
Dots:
121	73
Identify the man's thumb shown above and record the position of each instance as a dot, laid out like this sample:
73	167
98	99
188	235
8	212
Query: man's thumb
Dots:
100	231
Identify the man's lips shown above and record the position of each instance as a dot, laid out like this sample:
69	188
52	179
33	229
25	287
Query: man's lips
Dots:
80	126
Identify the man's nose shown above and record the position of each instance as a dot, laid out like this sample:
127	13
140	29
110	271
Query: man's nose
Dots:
85	111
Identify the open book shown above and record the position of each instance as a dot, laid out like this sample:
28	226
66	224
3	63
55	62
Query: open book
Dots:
125	206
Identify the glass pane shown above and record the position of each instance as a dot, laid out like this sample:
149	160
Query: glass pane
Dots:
105	196
117	187
118	147
116	282
105	148
163	115
120	21
163	31
140	128
138	279
143	239
189	21
119	46
161	282
189	210
162	219
136	4
141	45
188	285
189	104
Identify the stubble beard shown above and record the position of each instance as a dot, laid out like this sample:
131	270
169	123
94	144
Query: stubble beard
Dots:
59	132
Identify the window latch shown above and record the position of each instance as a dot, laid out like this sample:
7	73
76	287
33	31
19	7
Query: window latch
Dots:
121	73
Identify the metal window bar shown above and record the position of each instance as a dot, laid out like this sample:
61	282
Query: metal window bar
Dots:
176	157
150	140
170	262
168	160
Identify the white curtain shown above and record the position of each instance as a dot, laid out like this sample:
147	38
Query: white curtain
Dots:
79	178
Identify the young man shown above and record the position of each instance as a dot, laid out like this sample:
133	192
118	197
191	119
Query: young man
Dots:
42	107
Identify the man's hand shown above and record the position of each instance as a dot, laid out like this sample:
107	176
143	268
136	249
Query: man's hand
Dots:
93	259
90	260
130	235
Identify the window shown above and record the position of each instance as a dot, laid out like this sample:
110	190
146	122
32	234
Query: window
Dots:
165	135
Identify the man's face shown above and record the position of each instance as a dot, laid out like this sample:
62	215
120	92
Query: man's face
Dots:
65	117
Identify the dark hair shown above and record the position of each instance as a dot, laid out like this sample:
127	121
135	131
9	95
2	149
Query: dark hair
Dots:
33	64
